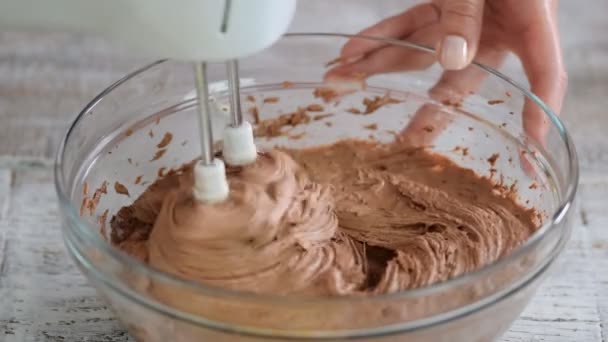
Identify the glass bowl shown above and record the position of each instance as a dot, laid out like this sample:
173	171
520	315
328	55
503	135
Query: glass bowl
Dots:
115	138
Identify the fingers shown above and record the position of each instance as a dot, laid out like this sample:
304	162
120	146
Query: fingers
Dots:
453	86
392	58
424	127
395	27
461	21
430	120
541	58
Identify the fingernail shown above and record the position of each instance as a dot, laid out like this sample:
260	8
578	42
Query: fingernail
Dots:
453	53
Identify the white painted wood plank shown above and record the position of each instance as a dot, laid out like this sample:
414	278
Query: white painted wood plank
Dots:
552	331
44	297
5	198
594	211
5	191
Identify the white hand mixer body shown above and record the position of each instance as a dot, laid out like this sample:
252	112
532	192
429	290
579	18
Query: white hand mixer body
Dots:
198	31
189	30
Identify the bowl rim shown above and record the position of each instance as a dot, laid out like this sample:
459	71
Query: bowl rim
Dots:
556	218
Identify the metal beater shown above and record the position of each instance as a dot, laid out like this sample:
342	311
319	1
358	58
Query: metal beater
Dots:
211	185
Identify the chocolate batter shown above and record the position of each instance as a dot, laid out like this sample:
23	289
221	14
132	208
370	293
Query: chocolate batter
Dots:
351	218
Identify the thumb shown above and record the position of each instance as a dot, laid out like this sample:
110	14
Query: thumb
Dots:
461	22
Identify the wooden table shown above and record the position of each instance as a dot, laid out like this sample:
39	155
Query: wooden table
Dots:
46	79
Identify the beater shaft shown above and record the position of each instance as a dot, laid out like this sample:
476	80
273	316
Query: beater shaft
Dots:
239	145
234	86
202	92
210	183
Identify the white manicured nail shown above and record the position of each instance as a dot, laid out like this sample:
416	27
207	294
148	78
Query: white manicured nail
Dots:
453	54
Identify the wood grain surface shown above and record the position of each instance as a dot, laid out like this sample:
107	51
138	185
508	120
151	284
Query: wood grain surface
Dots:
45	79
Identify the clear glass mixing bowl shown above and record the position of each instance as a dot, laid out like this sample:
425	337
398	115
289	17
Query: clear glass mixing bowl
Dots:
114	140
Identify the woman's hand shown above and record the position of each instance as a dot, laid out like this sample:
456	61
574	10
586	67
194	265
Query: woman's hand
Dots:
463	31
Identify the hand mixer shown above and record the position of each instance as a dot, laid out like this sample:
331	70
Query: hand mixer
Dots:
197	31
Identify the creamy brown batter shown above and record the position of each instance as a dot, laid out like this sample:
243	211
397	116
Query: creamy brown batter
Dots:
350	218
